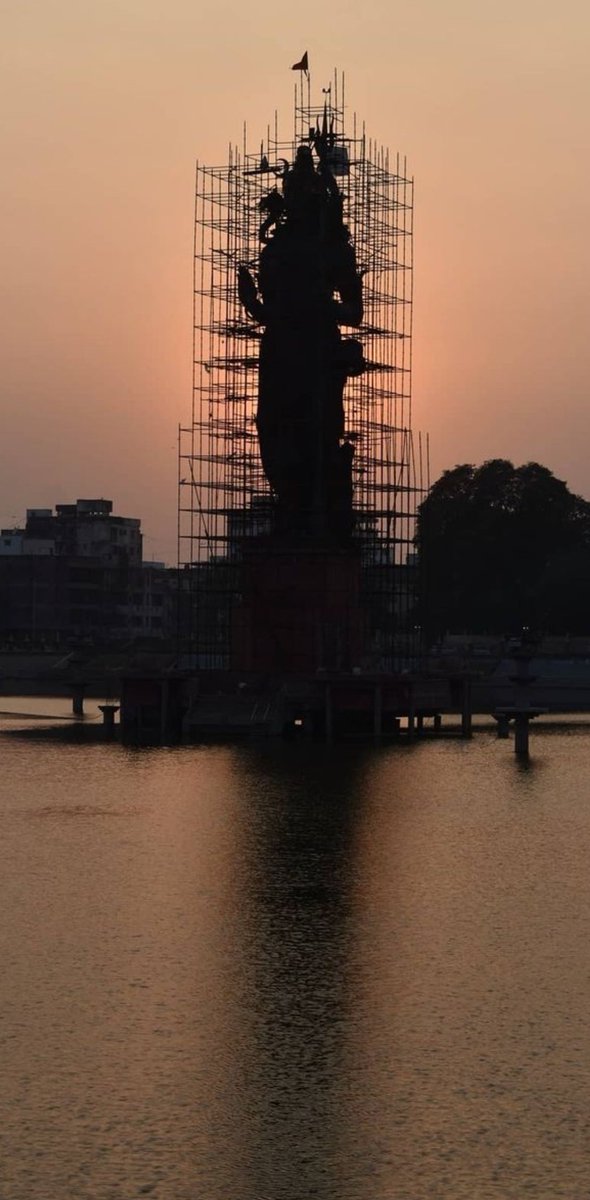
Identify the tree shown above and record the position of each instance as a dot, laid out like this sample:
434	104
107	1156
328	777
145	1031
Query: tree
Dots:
494	542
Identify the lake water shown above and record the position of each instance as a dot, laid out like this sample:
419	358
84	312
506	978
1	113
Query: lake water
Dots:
276	971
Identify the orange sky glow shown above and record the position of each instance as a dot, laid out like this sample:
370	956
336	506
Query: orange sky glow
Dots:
106	107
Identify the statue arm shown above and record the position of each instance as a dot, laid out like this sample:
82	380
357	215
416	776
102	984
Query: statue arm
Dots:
349	310
248	293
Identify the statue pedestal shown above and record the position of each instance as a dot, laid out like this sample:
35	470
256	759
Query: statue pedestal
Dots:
300	610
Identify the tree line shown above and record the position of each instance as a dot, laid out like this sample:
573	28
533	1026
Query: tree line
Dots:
501	548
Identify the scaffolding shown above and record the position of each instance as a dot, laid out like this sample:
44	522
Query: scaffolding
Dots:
223	495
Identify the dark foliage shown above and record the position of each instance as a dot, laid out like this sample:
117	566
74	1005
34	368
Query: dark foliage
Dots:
502	547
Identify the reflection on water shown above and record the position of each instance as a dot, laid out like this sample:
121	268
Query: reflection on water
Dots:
296	833
288	970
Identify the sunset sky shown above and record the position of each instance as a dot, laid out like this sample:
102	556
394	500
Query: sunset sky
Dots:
106	105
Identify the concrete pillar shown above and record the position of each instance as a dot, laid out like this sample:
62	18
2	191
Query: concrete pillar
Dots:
108	718
378	711
437	722
521	735
78	699
164	709
503	725
466	715
329	713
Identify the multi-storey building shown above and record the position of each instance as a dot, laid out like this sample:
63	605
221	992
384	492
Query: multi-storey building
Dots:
76	576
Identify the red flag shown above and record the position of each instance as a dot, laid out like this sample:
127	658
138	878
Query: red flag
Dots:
301	66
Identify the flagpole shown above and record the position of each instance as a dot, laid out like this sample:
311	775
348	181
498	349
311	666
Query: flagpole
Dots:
303	66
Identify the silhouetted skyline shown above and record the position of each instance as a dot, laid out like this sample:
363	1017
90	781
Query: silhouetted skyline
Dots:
108	109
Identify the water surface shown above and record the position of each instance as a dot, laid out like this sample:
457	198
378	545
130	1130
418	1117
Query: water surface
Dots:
274	971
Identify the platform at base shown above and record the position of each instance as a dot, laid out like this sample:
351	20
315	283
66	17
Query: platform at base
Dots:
329	704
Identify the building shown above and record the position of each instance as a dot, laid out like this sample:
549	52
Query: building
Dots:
76	577
86	529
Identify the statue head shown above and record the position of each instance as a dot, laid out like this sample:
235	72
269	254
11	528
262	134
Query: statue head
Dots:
305	192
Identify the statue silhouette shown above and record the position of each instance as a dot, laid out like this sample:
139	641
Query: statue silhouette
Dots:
308	286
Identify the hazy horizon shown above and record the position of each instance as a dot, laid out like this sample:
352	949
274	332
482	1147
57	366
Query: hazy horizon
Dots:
106	110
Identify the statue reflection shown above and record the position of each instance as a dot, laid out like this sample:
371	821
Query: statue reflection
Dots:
296	931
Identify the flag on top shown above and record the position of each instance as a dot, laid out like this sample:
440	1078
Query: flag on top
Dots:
303	65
